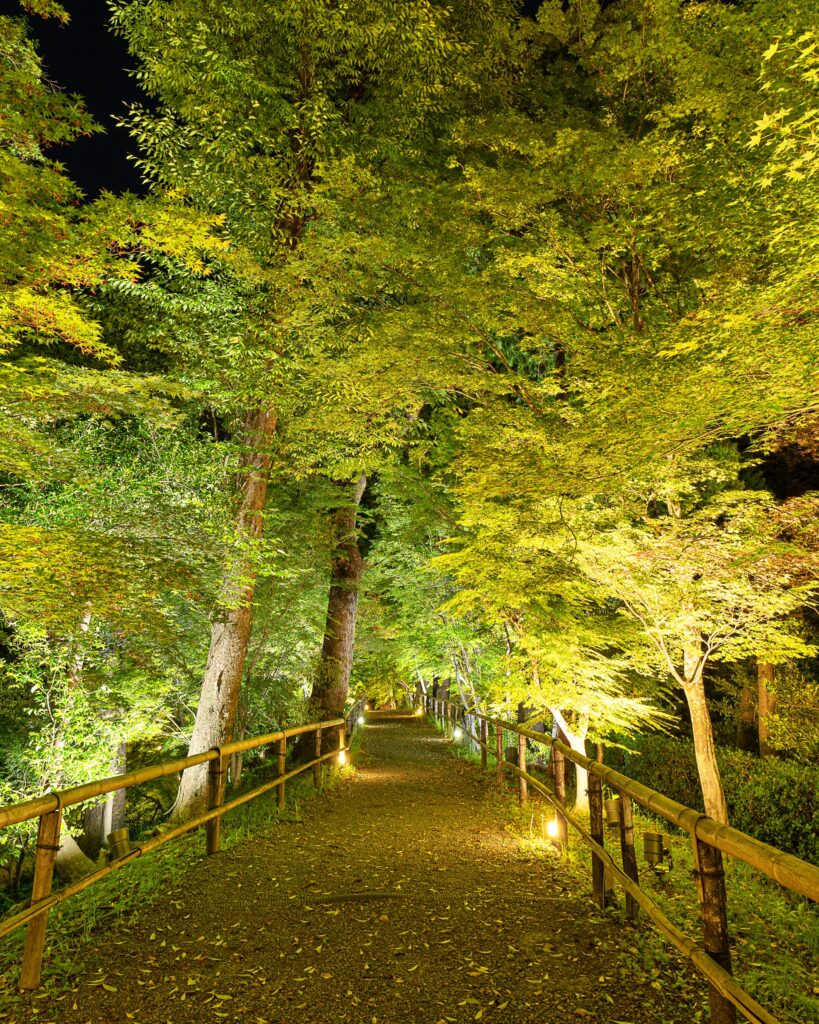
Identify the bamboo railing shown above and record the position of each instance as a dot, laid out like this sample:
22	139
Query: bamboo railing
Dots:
709	839
50	807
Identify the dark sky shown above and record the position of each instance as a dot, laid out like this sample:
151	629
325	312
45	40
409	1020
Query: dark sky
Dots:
84	57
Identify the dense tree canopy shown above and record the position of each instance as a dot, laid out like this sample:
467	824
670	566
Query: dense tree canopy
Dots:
451	347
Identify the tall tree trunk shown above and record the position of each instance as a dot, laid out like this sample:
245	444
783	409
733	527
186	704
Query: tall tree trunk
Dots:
71	863
704	749
767	706
576	738
103	818
745	716
332	679
232	620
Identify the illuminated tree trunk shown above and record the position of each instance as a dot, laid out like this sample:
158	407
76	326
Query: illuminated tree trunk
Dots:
575	736
767	706
231	622
704	748
71	863
332	678
745	717
99	821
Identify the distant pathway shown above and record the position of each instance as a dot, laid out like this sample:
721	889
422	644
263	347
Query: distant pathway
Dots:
399	898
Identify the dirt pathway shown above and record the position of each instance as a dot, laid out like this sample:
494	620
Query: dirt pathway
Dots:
399	897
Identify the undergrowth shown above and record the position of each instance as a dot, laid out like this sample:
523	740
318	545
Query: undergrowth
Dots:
122	896
774	932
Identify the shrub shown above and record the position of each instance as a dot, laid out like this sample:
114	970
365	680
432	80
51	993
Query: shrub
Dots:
773	800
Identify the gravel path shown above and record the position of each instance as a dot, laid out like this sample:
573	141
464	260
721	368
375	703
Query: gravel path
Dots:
399	897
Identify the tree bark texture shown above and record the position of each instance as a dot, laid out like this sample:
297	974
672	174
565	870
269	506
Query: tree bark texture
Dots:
71	863
103	818
576	739
745	717
231	622
332	678
767	706
704	749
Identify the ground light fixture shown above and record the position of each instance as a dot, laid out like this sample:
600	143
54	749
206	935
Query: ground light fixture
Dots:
361	720
613	811
552	830
419	712
342	757
655	845
457	734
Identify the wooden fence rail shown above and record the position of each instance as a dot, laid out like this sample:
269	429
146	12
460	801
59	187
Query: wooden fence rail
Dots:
49	809
709	841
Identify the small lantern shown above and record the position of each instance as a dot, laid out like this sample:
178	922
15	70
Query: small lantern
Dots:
612	808
118	844
361	720
457	734
653	847
342	757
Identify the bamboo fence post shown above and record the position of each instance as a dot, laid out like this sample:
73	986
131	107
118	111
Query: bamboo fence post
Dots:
714	910
281	749
596	830
484	738
559	766
48	843
522	788
499	751
216	796
317	767
627	852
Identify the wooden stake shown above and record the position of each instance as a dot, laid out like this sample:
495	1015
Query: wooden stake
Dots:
317	767
499	752
714	910
559	768
627	852
484	737
216	796
281	747
48	843
522	788
596	830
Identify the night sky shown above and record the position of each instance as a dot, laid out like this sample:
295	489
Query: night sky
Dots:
83	57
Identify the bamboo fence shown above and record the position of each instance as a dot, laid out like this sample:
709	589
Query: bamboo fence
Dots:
710	840
50	808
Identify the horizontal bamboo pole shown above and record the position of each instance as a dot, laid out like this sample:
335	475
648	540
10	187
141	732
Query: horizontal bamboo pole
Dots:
720	978
150	845
15	813
784	868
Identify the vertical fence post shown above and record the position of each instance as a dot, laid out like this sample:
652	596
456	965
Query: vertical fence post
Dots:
596	830
499	751
216	795
627	852
317	767
559	766
522	786
281	750
342	740
484	739
714	909
48	843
